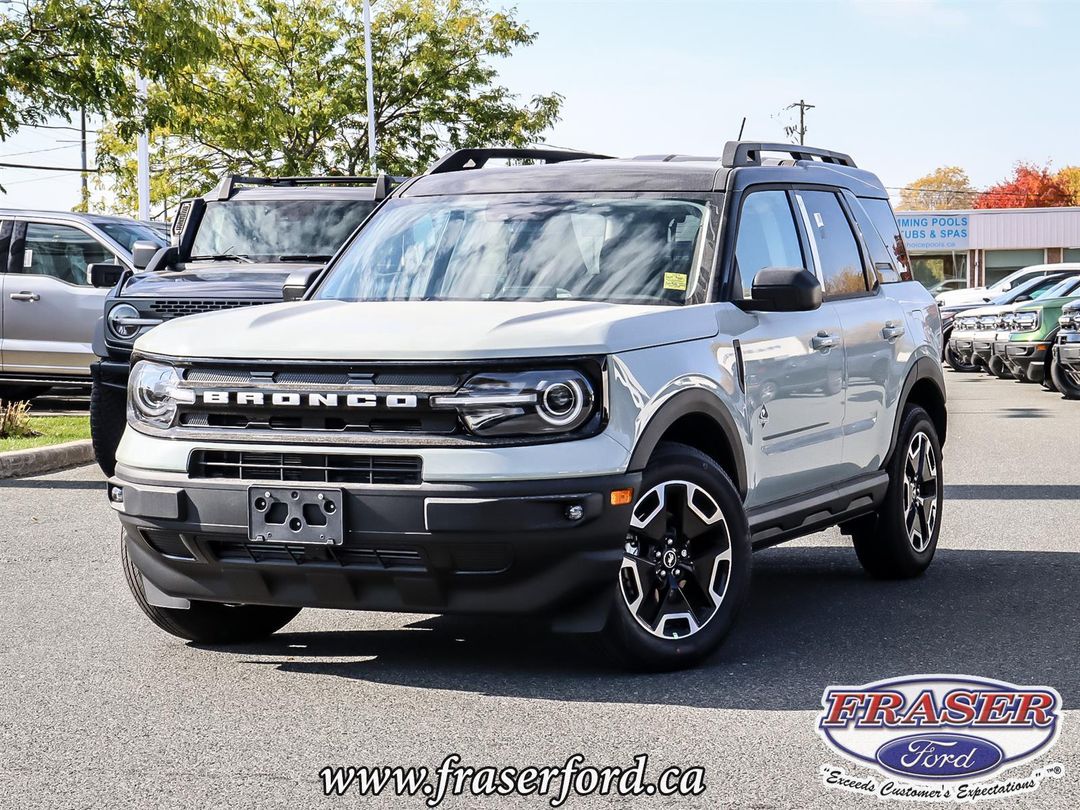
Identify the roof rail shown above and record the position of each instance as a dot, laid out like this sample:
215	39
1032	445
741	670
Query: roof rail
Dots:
748	153
467	159
382	182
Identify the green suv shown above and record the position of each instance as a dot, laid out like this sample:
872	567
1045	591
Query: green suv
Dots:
1033	328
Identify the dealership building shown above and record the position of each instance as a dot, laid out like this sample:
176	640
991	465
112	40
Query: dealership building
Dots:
981	247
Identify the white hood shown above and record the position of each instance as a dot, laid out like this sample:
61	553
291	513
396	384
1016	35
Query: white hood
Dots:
426	330
970	295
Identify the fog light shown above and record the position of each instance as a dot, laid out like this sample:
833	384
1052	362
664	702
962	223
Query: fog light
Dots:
116	494
575	512
621	497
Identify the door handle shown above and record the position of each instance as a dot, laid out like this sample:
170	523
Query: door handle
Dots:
892	330
25	296
823	341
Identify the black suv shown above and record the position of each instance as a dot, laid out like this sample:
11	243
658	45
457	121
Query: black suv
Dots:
245	243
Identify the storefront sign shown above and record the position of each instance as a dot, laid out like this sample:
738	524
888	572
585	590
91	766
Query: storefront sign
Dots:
934	231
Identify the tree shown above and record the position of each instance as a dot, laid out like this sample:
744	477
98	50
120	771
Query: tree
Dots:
286	93
943	189
1069	178
1030	187
57	56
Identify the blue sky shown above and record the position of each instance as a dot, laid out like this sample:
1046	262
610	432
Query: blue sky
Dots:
903	86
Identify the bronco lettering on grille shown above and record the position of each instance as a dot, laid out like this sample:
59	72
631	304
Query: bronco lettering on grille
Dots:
294	399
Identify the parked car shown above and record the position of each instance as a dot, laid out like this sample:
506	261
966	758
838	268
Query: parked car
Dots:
1033	329
571	390
961	322
1065	361
48	308
983	295
948	284
238	246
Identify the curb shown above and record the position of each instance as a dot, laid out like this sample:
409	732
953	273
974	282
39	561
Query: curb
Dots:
38	460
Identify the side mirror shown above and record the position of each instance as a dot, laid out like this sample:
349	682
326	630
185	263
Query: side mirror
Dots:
297	283
104	275
784	289
1025	297
142	252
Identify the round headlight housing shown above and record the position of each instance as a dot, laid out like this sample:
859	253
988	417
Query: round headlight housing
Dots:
116	321
525	403
154	393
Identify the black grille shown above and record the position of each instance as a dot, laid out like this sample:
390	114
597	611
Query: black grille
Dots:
178	308
346	556
414	381
306	467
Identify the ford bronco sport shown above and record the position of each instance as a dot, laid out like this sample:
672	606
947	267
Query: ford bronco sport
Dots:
237	246
584	389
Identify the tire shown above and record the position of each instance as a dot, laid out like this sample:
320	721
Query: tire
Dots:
1063	382
208	622
21	393
955	364
688	516
108	419
998	368
888	544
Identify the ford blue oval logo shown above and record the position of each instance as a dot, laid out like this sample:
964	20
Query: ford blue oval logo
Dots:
939	756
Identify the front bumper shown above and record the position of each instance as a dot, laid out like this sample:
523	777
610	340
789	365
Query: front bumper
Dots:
111	373
962	347
1067	350
982	347
1027	359
504	547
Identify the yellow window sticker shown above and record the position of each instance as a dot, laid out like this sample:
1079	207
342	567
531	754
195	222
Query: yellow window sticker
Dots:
674	281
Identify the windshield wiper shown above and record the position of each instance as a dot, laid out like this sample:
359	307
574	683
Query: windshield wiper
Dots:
222	257
304	257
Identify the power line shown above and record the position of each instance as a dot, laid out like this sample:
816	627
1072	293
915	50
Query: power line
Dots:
38	151
46	168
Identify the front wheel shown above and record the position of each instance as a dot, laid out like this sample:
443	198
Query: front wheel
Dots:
207	622
898	541
1063	381
956	364
686	568
999	369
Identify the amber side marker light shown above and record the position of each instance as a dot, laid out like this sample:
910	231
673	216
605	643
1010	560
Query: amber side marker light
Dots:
621	497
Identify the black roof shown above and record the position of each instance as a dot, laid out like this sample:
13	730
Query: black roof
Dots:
563	170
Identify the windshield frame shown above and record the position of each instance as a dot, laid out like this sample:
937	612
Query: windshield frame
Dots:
703	263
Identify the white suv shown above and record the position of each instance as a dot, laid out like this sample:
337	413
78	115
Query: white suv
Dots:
585	390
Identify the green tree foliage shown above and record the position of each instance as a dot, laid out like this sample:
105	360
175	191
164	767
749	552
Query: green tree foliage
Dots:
945	188
285	94
57	56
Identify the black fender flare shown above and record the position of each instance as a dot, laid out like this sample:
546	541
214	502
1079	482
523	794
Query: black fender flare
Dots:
691	401
922	369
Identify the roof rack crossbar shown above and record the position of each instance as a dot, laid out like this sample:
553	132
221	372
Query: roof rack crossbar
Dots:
748	153
467	159
382	182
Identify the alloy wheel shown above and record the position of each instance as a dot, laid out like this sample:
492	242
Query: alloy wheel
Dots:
677	560
920	491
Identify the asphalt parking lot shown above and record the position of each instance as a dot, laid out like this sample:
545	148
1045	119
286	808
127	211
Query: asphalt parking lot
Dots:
100	709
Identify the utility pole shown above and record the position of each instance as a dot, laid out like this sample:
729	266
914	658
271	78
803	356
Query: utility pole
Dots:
82	135
142	155
369	68
800	130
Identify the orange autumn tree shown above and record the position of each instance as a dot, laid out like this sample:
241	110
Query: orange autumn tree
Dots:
1030	187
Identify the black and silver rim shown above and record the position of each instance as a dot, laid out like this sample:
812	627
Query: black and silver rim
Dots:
677	562
920	491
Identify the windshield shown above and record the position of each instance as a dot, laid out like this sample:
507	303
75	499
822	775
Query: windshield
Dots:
128	233
1033	287
277	230
499	248
1061	289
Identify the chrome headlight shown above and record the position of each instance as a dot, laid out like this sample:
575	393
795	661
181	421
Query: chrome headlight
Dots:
154	393
1026	320
121	321
523	403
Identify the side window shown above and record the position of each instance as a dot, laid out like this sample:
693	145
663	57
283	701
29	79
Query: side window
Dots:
767	236
885	222
62	252
884	267
834	244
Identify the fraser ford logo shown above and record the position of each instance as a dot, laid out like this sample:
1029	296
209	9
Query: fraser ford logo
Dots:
939	737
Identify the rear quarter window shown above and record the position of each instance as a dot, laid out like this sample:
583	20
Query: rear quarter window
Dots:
882	236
